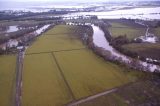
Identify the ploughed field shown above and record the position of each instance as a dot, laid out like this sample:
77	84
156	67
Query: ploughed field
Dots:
59	68
7	79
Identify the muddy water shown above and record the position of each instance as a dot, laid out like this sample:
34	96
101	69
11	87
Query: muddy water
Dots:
100	41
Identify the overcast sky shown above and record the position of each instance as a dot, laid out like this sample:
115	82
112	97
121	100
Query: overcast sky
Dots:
71	0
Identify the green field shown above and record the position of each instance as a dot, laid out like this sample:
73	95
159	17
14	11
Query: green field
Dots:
7	79
43	84
131	32
88	74
59	38
58	69
147	50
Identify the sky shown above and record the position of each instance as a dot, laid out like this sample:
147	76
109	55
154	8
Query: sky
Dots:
5	4
70	0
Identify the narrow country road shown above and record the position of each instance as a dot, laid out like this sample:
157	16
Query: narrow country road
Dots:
76	103
19	68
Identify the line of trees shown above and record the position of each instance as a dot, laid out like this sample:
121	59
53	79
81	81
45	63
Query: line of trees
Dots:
14	35
14	16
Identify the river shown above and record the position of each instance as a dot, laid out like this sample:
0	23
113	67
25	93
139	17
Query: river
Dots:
100	41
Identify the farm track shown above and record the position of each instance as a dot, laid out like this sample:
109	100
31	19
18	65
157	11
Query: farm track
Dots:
91	97
104	93
19	68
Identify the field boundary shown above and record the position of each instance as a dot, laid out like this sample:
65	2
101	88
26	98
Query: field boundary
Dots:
60	34
56	51
63	76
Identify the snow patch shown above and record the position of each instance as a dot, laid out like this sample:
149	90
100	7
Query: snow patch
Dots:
42	29
12	29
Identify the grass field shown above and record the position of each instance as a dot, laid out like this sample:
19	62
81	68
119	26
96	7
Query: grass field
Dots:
88	74
147	50
59	38
61	69
7	79
131	32
43	84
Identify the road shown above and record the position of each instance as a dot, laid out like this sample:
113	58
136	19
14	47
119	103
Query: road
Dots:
19	68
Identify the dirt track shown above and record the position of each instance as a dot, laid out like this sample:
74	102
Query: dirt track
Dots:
19	68
91	97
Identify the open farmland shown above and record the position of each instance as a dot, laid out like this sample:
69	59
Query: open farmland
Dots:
130	31
59	69
43	84
88	74
59	38
7	79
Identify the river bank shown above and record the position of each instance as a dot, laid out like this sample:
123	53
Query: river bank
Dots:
100	46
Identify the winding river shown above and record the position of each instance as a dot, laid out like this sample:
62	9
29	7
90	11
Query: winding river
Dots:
100	41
